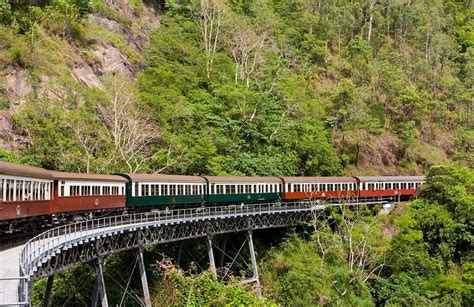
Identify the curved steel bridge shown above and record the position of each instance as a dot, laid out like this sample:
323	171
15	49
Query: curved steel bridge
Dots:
90	241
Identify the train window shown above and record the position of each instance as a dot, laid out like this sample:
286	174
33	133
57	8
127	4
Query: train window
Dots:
152	190
180	190
26	190
1	189
95	190
40	191
18	188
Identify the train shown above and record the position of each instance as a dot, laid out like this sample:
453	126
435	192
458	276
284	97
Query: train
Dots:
32	197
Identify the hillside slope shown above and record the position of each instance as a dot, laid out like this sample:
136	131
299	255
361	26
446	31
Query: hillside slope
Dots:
238	87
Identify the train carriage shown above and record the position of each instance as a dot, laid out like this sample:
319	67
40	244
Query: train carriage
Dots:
235	189
145	190
295	188
25	192
396	186
87	192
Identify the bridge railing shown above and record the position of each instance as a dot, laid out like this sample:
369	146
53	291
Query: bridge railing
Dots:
54	239
39	246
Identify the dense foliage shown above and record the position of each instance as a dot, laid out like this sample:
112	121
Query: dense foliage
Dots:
179	289
423	255
247	87
431	259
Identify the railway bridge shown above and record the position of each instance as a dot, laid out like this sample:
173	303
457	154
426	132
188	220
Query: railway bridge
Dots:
90	241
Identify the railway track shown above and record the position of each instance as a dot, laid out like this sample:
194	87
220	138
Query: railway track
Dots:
11	240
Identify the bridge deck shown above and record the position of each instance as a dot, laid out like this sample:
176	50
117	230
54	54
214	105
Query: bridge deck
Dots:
9	268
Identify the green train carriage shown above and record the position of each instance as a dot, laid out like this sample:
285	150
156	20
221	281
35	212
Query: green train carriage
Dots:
233	189
148	190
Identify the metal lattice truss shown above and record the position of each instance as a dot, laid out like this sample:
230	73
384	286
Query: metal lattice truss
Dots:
114	242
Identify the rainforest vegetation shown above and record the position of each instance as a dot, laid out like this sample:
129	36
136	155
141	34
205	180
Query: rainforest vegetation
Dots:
261	87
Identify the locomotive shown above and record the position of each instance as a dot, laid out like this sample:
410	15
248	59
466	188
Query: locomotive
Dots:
32	197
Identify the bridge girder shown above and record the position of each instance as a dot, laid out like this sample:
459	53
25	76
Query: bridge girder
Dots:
104	245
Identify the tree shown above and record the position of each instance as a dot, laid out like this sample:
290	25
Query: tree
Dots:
211	15
130	129
246	49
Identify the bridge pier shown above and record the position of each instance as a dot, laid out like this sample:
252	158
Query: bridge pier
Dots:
222	253
48	292
99	269
212	262
255	277
141	265
95	294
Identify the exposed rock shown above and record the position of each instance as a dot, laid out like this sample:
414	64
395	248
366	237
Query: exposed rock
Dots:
123	8
113	61
8	137
110	25
16	82
85	75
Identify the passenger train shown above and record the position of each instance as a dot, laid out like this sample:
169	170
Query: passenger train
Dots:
32	197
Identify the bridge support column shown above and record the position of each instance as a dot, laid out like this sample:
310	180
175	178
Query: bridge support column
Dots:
222	253
49	290
141	265
212	262
95	295
255	276
99	269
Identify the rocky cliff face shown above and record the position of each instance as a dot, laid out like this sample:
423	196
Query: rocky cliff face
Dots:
112	43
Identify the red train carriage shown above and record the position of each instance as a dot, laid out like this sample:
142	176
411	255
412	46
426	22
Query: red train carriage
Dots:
25	192
397	186
87	192
295	188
